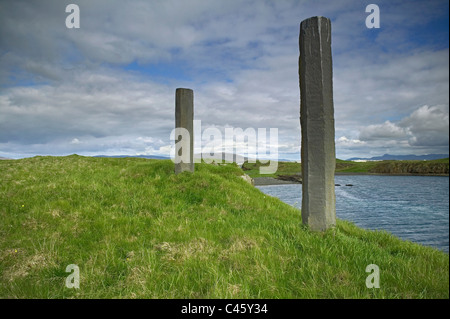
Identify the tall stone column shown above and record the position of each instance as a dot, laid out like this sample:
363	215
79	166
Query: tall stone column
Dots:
317	124
184	120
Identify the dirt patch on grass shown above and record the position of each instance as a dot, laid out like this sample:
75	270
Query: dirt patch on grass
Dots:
197	248
23	266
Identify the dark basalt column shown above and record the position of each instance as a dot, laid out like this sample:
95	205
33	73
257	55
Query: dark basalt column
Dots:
318	153
184	119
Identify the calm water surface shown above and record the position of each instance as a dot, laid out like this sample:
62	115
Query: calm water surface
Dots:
414	208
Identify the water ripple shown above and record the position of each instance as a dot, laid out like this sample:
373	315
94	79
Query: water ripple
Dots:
414	208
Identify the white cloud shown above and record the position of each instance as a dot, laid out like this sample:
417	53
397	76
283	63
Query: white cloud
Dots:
387	130
75	141
239	56
346	142
428	126
425	130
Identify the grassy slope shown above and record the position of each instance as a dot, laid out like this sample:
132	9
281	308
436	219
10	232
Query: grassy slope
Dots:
136	230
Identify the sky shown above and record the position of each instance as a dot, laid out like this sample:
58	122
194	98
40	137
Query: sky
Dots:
108	87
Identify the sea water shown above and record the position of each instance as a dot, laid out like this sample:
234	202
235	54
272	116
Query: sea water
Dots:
414	208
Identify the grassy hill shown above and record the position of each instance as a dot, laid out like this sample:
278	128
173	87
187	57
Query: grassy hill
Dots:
136	230
433	167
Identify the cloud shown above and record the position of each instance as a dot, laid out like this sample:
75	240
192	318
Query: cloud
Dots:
387	130
424	128
110	84
75	141
344	141
428	126
392	87
98	104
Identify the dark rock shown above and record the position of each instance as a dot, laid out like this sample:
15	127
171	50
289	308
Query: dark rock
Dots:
290	178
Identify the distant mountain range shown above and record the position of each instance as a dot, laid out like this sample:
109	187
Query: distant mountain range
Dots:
388	157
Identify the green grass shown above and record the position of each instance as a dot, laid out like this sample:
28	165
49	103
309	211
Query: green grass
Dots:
434	167
283	168
136	230
354	167
443	160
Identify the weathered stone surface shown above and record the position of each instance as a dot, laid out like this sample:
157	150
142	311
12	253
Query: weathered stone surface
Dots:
317	124
248	179
184	118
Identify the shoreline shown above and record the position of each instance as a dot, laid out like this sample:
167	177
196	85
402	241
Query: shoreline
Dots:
389	174
267	181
